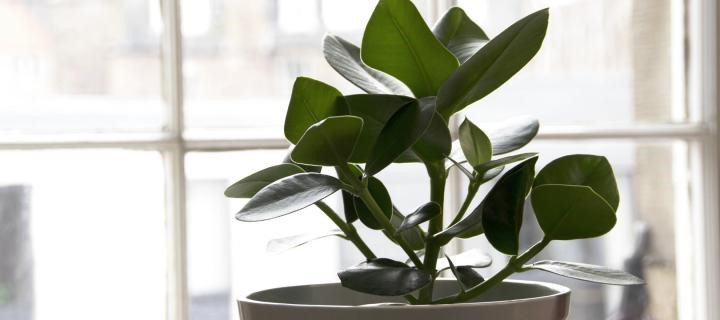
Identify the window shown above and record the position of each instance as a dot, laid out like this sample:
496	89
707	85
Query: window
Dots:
122	122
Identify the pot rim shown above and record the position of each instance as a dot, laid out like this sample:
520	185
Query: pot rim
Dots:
559	291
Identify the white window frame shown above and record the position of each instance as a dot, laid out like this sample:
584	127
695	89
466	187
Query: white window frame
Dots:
697	289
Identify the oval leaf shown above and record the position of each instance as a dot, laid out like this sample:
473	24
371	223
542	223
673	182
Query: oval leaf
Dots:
474	143
459	34
422	214
306	168
582	170
287	243
344	57
310	102
567	212
468	276
384	277
436	142
375	110
414	237
484	169
250	185
329	142
502	208
513	135
349	207
493	64
288	195
382	197
400	133
587	272
397	41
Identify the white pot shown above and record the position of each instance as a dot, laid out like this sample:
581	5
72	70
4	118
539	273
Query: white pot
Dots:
511	300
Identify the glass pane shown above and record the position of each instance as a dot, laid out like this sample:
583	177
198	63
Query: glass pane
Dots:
650	177
62	70
240	69
228	258
613	62
82	235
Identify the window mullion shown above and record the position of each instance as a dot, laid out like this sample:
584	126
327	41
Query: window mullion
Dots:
175	189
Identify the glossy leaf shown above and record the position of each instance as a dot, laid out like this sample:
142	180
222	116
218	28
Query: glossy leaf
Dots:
474	143
311	101
400	133
384	277
287	243
587	272
329	142
461	167
567	212
349	207
288	195
513	135
493	64
472	258
414	236
582	170
459	34
486	167
502	208
436	142
250	185
468	276
304	167
398	42
375	110
344	57
382	197
422	214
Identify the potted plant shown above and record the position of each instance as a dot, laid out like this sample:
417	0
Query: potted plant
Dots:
416	79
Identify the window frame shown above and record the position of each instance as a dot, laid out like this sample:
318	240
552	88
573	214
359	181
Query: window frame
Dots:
701	87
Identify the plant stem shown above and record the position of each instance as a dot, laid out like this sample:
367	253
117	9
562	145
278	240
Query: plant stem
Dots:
437	174
473	188
361	190
348	229
515	264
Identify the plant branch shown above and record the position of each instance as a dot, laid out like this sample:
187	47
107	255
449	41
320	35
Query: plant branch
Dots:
348	229
515	265
473	188
437	173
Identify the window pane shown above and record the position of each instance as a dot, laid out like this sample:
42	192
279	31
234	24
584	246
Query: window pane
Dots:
62	70
650	178
613	62
239	73
82	235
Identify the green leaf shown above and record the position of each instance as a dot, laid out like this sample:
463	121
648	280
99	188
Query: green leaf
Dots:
587	272
349	207
493	64
287	243
472	258
310	102
400	133
414	236
375	110
435	143
582	170
329	142
344	57
250	185
507	194
398	42
459	34
382	197
384	277
474	143
422	214
513	135
484	168
305	168
465	275
502	208
288	195
567	212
